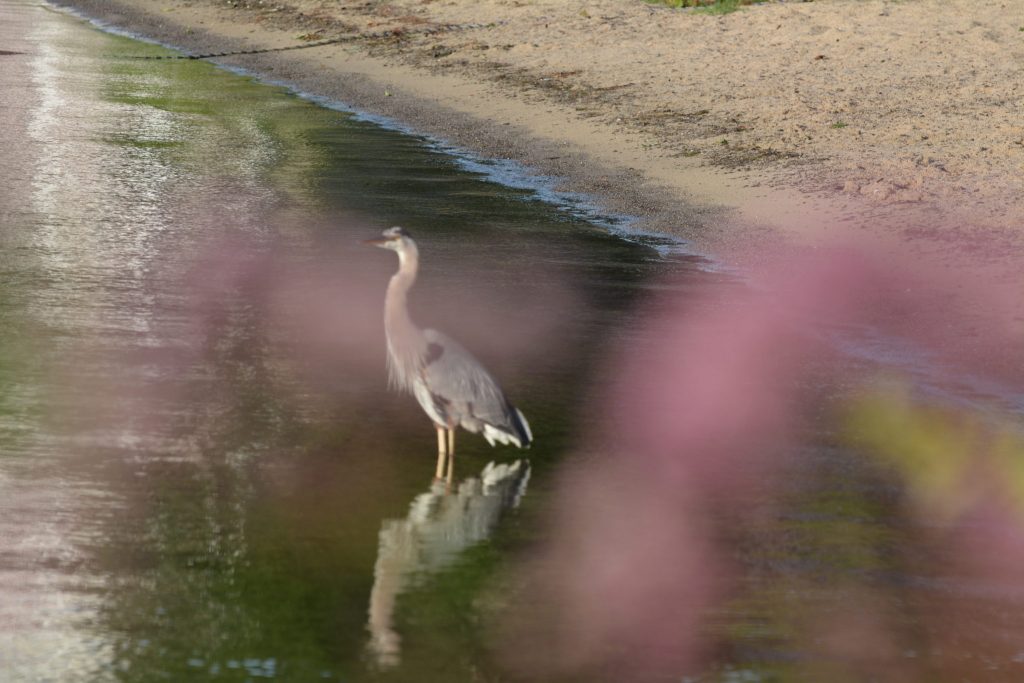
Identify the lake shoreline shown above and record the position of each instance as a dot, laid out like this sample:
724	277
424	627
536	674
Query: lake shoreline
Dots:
734	197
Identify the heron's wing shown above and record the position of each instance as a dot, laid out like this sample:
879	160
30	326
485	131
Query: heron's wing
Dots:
452	373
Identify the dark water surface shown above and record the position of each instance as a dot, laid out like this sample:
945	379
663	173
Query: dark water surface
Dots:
202	473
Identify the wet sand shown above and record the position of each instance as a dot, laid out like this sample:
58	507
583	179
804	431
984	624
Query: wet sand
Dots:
784	122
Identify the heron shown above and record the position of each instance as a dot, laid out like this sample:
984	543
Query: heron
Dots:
452	386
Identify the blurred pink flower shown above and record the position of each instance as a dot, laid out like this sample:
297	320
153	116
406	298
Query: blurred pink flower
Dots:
697	424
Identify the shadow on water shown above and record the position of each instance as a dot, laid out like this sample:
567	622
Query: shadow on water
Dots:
198	441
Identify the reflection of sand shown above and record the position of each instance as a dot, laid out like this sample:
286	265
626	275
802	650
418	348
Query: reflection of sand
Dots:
439	526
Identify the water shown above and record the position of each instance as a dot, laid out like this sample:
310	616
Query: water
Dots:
203	475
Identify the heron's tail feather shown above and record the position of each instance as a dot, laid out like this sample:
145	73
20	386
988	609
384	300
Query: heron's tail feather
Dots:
498	435
517	432
523	427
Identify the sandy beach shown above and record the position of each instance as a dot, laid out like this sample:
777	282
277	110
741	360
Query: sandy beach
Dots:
783	122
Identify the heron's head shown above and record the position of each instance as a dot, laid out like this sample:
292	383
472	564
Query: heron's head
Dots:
396	239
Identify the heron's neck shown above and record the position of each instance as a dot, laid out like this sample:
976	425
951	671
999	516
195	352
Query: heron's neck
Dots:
405	340
396	308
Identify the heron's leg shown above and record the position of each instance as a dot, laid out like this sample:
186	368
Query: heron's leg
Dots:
451	455
442	444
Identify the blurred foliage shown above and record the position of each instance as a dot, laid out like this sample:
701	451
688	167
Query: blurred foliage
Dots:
707	6
949	458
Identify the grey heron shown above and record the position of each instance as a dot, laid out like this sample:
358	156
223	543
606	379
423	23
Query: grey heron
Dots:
452	386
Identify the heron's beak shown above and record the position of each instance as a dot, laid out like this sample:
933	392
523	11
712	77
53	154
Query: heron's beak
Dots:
375	243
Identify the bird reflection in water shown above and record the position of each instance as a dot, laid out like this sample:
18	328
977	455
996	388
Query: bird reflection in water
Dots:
440	525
